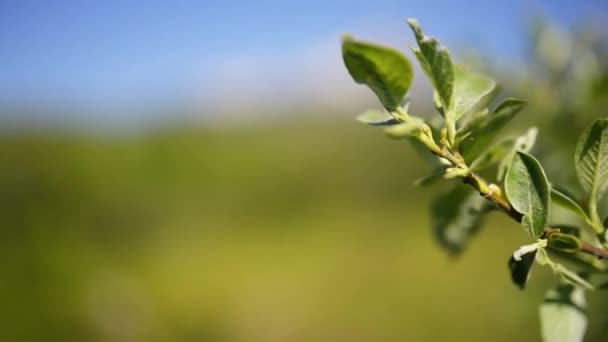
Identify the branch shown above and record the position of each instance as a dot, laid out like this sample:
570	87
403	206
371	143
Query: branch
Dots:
494	194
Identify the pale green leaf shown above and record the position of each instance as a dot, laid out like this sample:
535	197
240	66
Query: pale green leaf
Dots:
563	314
376	118
436	63
527	189
457	216
386	71
470	89
591	159
564	201
478	140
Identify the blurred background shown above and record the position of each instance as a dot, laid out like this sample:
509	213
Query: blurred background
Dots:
191	171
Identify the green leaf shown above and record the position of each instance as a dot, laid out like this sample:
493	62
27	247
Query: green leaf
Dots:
494	155
377	118
562	314
436	63
404	129
470	88
564	242
523	143
474	144
527	189
471	122
566	202
566	275
386	71
567	229
591	161
457	216
520	269
571	277
431	179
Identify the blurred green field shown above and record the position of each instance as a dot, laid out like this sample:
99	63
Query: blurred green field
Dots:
285	232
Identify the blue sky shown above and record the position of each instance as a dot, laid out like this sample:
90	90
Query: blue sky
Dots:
120	55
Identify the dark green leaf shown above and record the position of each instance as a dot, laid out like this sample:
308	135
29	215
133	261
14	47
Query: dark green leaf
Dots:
527	189
520	269
566	202
457	216
563	314
564	242
386	71
436	63
474	144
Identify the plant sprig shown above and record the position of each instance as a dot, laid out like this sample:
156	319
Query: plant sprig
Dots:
466	142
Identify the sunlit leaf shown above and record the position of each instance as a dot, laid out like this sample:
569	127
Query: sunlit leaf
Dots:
436	63
591	159
527	189
563	314
470	88
386	71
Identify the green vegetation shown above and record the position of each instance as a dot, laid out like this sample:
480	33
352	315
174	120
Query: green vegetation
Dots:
459	143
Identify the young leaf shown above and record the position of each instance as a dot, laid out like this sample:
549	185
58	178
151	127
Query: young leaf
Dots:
377	118
591	159
523	143
527	189
564	242
566	202
469	89
386	71
436	63
520	269
562	314
456	217
473	145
